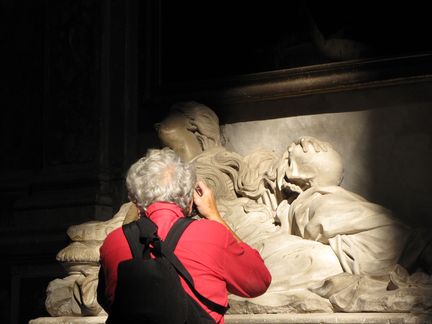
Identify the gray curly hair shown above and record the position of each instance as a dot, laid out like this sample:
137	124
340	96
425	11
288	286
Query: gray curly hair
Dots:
161	176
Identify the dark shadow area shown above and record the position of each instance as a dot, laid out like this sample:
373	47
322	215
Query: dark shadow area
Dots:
21	87
401	156
204	40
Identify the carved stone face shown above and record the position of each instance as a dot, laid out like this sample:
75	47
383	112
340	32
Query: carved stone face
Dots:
299	169
311	168
174	132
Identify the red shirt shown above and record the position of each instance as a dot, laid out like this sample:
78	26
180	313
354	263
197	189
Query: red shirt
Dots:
217	262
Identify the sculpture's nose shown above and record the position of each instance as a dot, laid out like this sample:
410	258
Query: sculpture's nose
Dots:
292	171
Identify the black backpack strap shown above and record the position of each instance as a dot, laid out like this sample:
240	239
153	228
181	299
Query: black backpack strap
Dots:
176	232
139	235
170	244
168	250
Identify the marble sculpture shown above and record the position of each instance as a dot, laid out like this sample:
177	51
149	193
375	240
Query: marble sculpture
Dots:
328	249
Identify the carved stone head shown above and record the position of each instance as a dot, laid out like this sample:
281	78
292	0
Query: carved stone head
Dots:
189	129
310	168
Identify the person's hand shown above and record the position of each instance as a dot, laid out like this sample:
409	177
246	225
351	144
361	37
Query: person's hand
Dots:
205	201
317	145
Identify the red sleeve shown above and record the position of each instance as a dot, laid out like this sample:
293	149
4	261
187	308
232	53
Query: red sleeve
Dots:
114	250
246	274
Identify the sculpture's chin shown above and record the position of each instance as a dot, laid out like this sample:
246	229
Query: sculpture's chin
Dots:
296	186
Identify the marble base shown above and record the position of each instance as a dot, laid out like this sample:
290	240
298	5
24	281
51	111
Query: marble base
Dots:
316	318
70	320
334	318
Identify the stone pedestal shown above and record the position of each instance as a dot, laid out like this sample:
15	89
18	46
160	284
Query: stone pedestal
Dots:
325	318
317	318
69	320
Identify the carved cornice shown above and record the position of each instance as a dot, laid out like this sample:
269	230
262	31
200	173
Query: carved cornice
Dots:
323	78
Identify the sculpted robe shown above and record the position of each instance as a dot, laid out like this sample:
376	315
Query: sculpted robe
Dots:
365	237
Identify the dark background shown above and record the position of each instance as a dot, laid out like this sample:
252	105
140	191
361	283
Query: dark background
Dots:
84	81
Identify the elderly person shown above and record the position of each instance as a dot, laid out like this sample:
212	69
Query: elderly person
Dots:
163	187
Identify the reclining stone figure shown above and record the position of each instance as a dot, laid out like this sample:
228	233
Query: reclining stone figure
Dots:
328	249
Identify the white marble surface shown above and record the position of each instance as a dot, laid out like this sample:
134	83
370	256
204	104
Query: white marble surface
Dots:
317	318
335	318
69	320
